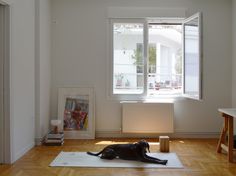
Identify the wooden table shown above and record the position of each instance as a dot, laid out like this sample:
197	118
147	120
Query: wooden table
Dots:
228	114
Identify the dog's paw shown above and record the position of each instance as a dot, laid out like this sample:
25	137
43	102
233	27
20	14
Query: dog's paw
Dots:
164	162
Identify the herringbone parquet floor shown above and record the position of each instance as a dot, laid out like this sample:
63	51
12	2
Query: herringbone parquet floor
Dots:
198	156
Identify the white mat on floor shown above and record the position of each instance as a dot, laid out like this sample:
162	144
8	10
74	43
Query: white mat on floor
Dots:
82	159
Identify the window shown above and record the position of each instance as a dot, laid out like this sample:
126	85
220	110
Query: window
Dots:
192	57
128	58
154	58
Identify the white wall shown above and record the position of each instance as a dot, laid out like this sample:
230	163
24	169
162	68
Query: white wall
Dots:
42	68
79	58
1	82
234	55
22	76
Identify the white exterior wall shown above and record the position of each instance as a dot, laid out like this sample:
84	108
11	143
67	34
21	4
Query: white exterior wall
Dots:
79	58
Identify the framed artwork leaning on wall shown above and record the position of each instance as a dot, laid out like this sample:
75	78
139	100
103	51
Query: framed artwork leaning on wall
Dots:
76	110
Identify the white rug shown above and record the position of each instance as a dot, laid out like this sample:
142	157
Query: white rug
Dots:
82	159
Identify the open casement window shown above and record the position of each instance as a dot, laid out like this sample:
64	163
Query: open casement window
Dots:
192	57
153	58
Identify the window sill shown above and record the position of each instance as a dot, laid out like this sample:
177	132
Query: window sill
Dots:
156	100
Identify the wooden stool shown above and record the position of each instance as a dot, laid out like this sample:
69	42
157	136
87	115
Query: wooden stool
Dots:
164	143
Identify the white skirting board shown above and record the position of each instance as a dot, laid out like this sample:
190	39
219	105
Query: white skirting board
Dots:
175	135
139	117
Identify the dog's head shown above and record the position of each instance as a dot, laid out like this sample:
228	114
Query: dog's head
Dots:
144	144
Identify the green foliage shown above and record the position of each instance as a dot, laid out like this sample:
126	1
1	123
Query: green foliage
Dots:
138	58
152	55
138	55
178	64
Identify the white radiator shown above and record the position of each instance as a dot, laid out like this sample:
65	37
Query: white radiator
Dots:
139	117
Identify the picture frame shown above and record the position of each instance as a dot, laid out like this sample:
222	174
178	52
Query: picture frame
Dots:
77	112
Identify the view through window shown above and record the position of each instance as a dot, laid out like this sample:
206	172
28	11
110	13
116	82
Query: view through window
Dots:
164	59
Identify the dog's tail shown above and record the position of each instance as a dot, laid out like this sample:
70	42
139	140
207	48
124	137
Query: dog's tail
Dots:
94	154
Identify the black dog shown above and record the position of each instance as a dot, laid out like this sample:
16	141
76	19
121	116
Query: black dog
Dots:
135	151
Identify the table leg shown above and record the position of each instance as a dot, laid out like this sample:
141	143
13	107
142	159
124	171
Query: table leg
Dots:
230	139
222	135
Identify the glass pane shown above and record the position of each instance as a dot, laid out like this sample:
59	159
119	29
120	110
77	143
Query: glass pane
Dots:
191	58
165	59
128	62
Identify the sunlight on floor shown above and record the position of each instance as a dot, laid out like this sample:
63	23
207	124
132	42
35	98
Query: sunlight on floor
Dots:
110	143
154	143
114	142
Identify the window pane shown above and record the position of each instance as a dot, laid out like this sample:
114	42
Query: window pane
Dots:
192	58
164	59
128	62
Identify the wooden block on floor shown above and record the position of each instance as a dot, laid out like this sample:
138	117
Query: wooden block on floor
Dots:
164	143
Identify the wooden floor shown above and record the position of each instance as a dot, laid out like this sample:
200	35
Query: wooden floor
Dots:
198	156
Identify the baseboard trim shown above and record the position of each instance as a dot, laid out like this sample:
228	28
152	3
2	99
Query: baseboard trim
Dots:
119	134
196	135
39	141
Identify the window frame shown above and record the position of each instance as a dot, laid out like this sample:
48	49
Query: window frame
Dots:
146	22
200	57
141	96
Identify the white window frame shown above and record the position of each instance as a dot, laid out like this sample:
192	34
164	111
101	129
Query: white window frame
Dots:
200	56
145	42
144	96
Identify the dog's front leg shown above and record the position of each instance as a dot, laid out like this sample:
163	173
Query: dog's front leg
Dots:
155	160
149	159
